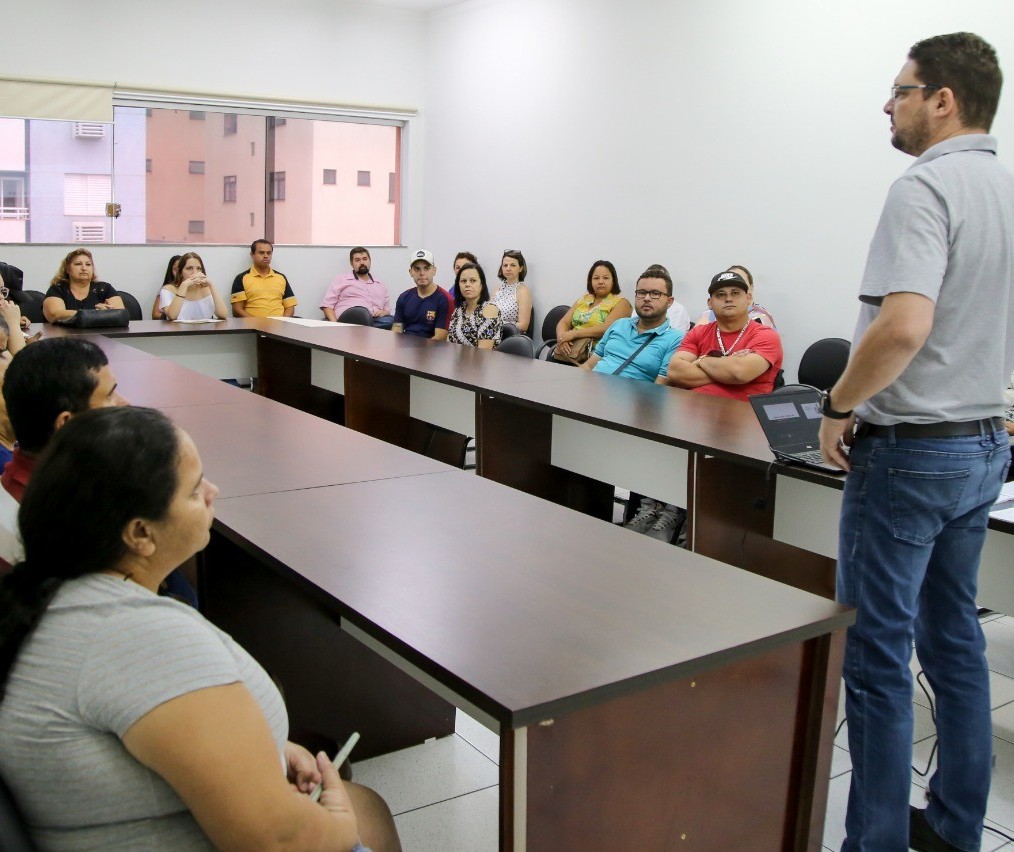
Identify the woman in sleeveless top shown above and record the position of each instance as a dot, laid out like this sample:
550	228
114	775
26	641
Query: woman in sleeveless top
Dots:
591	315
513	298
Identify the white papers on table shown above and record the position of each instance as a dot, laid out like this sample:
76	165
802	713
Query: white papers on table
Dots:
1003	508
312	323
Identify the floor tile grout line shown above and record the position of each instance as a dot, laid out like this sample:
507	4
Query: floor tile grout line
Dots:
443	801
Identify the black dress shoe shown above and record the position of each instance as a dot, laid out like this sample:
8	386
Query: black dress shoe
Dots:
921	837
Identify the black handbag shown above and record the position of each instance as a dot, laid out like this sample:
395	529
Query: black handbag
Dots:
94	318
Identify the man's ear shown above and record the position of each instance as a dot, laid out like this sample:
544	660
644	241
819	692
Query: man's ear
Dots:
61	420
944	106
137	535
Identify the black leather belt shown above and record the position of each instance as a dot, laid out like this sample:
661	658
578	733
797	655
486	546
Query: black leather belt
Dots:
959	429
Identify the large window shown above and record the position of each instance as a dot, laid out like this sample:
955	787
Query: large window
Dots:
164	166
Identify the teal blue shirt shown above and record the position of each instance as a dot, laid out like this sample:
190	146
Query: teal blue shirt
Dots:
622	339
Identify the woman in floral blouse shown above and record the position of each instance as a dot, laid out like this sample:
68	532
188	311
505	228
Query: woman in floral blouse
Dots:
476	320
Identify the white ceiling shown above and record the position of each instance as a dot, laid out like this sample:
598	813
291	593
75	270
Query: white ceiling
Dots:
417	5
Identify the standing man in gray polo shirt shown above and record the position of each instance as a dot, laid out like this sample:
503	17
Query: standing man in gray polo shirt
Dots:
934	345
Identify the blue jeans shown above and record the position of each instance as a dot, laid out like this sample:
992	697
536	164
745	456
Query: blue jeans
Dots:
912	527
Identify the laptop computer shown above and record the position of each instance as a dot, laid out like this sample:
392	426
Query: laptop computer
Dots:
791	423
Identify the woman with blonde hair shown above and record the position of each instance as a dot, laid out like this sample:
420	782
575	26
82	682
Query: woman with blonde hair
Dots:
76	287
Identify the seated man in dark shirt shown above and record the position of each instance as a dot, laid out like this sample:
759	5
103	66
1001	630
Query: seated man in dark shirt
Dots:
422	310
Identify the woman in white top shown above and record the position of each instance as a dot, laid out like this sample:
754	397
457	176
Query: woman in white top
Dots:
513	298
192	296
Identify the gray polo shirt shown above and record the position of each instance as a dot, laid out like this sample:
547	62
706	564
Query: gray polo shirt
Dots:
947	233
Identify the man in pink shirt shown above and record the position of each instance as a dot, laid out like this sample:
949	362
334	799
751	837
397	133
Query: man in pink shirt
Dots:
358	288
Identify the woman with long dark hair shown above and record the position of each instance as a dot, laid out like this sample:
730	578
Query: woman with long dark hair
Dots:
127	720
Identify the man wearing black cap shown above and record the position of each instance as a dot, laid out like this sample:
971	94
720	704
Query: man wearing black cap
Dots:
733	356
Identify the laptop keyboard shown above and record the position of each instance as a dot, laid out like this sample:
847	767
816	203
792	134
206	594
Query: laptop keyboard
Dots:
810	456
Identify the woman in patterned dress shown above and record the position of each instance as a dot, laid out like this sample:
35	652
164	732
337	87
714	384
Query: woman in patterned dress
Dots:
513	298
476	320
592	314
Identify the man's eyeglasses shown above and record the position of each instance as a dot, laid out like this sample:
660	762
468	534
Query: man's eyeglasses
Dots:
896	90
654	295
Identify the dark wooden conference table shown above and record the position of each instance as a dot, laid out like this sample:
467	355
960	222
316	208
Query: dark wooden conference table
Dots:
645	696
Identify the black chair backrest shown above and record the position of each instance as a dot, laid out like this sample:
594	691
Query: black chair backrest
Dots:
517	345
30	302
130	303
552	320
509	330
792	388
14	835
357	314
14	278
823	362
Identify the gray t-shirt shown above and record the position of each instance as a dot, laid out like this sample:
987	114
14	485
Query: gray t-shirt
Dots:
947	232
106	652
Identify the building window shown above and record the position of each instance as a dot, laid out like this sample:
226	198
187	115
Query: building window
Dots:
86	195
392	187
276	187
12	197
195	226
163	143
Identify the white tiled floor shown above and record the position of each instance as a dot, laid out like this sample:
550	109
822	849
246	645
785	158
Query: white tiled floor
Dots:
444	793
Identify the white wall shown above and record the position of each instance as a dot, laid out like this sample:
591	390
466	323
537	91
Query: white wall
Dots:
696	134
314	50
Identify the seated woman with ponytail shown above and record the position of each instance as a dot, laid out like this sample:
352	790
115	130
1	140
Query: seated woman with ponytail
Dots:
127	720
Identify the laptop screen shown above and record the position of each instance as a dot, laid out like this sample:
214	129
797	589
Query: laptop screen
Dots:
790	420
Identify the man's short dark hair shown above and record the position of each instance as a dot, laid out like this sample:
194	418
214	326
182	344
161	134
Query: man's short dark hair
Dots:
967	65
53	375
255	243
465	255
656	270
359	250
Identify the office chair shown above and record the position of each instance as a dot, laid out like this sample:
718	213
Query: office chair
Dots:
549	325
517	345
30	303
509	330
14	835
130	303
823	362
531	324
357	315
